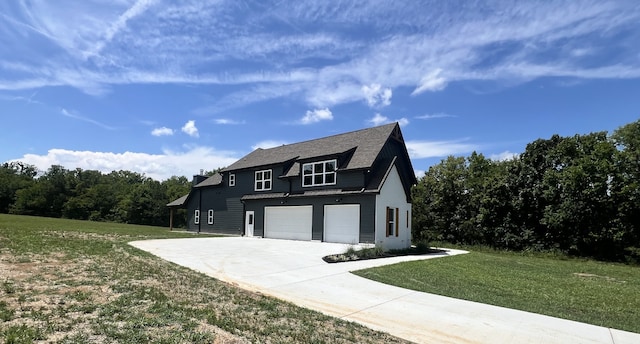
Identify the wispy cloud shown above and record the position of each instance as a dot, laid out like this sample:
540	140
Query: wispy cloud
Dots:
73	115
162	131
379	119
434	149
435	115
190	129
30	99
317	115
227	121
93	45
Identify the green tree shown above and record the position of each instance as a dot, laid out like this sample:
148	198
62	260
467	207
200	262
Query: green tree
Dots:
14	176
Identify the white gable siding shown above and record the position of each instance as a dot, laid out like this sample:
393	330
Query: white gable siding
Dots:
392	195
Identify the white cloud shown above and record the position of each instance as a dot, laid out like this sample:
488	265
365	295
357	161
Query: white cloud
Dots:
376	96
163	131
156	166
433	149
433	81
190	129
435	115
316	116
506	155
268	144
227	121
379	119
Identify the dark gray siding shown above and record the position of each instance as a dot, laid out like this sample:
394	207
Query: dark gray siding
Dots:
350	180
367	212
227	210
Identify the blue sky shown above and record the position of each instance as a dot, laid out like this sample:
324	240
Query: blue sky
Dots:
168	88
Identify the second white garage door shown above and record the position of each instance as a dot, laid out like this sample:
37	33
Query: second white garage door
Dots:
288	222
342	223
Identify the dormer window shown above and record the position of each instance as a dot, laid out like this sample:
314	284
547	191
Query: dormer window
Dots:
263	180
319	173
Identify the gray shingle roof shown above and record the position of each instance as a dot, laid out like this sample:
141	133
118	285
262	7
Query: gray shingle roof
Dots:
179	202
215	179
367	144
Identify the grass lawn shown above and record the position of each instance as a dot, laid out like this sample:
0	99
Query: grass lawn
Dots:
598	293
79	282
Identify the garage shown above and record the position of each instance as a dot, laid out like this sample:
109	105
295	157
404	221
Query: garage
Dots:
342	223
291	222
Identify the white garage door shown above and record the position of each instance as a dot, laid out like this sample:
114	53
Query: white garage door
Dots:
342	223
288	222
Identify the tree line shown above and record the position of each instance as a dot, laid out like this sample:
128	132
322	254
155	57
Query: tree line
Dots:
119	196
579	195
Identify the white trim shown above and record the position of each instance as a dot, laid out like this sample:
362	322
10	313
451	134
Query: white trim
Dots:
196	217
210	216
232	179
263	180
313	173
249	223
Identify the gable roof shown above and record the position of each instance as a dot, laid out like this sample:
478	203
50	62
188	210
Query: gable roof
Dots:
365	143
215	179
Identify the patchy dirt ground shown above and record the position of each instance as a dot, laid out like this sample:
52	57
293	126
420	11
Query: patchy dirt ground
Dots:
55	299
77	294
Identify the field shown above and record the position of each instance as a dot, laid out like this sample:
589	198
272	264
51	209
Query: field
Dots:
79	282
598	293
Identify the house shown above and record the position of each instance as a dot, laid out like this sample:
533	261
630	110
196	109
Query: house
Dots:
347	188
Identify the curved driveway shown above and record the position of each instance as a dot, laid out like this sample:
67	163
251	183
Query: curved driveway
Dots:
294	271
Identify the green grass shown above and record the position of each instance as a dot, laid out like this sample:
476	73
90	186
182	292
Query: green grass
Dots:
598	293
65	281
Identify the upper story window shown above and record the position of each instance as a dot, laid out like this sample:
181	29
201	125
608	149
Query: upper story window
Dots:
263	180
319	173
232	179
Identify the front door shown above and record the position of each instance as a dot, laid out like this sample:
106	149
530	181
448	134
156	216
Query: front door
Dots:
249	220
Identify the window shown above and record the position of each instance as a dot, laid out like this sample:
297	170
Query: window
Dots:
232	179
196	217
319	173
210	216
263	180
392	221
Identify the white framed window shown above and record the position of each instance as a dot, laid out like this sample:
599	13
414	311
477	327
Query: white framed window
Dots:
196	216
392	221
232	179
263	180
319	173
210	216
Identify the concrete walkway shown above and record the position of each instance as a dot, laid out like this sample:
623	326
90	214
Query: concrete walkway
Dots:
294	271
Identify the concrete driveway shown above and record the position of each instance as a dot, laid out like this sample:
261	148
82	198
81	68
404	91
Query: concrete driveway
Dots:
294	271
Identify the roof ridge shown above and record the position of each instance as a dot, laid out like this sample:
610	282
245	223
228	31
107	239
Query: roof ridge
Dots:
330	136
